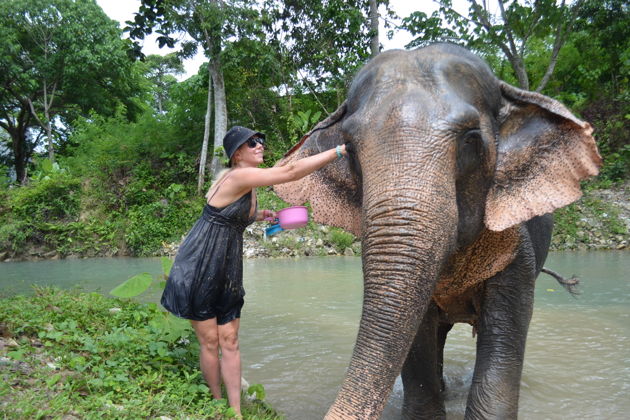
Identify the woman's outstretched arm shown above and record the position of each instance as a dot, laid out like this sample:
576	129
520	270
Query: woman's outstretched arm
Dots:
247	178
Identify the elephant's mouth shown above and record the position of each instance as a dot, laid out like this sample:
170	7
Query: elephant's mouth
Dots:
468	268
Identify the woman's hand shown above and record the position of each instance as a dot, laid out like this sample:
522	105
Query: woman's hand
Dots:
266	214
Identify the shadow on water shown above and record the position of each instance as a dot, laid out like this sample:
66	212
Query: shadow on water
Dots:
300	320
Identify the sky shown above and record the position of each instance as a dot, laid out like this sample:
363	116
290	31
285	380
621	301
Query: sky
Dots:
123	10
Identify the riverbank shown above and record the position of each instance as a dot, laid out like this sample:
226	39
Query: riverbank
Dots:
77	355
599	220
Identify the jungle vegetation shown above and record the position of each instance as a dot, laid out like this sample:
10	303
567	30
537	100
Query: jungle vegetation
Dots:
105	151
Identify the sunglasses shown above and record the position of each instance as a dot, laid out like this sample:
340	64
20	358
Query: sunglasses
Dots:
253	141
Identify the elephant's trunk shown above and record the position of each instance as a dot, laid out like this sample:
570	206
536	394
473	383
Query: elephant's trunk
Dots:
408	233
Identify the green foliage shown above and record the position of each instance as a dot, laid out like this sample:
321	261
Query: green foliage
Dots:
59	58
133	286
133	193
44	214
14	235
151	225
341	239
267	199
140	283
303	121
515	33
53	198
161	72
187	110
140	176
617	164
257	390
587	222
46	169
330	38
87	356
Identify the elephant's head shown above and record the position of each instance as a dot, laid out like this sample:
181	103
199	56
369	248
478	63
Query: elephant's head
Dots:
442	150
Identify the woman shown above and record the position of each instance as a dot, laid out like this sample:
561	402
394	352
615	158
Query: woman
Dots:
205	284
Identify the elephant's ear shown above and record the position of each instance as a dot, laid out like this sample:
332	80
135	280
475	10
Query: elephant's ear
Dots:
543	153
333	190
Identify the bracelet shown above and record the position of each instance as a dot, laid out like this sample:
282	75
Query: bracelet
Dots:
338	150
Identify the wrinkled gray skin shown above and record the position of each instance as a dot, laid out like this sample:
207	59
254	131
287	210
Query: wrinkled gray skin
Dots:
450	182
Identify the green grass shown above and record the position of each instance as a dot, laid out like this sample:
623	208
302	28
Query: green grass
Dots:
88	356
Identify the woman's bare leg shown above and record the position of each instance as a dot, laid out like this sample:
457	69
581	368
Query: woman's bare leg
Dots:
231	362
208	335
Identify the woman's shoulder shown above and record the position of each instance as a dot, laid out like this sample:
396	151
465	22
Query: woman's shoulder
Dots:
221	177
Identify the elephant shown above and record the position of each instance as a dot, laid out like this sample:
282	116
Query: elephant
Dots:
451	182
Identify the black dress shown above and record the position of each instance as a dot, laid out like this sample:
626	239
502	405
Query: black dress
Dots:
206	279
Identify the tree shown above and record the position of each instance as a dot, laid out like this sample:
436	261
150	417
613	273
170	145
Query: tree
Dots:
511	31
210	25
325	40
161	71
374	43
593	74
58	58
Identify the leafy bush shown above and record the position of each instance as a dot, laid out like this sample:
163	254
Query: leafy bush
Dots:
150	225
14	235
88	356
341	239
617	165
53	198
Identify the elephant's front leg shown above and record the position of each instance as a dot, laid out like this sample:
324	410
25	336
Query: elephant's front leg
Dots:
422	372
505	314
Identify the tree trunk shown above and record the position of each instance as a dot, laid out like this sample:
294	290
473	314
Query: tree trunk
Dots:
48	125
51	149
16	126
220	111
47	106
206	137
19	155
521	73
550	69
374	44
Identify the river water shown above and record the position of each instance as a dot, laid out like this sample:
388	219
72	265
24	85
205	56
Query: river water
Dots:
301	315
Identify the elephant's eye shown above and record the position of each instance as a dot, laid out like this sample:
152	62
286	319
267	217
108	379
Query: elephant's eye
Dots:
470	151
473	136
472	141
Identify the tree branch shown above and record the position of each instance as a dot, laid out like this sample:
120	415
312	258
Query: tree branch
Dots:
536	17
32	108
560	39
485	23
507	28
5	126
52	95
308	85
469	20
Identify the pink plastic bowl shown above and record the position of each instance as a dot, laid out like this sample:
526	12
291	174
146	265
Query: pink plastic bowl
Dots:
293	217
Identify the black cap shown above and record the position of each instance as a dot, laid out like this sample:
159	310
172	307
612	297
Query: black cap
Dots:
236	136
